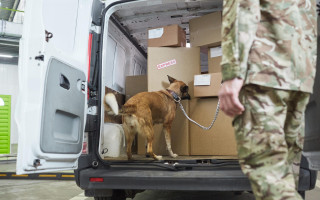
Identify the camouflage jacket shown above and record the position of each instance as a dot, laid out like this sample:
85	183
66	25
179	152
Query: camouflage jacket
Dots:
270	42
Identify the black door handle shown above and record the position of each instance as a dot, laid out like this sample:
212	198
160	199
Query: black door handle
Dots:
64	82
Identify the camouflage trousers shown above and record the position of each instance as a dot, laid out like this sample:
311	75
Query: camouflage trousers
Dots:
270	136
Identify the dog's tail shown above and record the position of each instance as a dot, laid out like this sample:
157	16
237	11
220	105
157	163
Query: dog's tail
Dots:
110	104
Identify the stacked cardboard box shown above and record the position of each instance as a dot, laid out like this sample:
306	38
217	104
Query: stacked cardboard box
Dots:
167	36
135	85
214	59
206	30
219	140
207	85
183	64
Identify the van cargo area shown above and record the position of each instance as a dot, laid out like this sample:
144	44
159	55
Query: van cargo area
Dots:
130	66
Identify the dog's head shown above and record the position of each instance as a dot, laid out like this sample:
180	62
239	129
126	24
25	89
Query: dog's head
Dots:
179	87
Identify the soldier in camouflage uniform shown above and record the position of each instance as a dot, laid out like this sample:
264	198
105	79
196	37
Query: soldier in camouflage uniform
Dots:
268	67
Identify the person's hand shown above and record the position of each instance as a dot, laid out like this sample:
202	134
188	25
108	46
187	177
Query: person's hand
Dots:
229	97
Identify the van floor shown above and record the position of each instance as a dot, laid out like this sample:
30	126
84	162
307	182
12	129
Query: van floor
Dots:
143	157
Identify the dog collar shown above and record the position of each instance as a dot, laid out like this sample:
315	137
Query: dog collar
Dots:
174	95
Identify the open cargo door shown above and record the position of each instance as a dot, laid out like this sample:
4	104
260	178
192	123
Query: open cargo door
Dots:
53	65
311	148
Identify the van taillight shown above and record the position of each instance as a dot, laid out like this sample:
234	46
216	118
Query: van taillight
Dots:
89	55
89	60
85	148
85	144
96	179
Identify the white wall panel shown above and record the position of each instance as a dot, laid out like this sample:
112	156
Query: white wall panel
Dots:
123	59
119	68
9	86
111	51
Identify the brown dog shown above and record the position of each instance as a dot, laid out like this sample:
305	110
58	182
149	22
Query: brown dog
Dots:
145	109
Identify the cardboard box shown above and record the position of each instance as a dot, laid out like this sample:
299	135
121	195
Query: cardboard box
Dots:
135	85
207	85
206	30
220	139
179	137
214	64
182	64
167	36
214	59
121	100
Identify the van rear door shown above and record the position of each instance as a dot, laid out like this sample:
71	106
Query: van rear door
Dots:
53	65
311	148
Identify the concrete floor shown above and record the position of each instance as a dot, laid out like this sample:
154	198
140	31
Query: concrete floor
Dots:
68	190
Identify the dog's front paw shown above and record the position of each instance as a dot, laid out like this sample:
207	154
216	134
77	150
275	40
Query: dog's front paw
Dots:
174	155
158	157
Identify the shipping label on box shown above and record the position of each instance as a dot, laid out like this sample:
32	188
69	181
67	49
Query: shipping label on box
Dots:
215	52
211	90
204	79
155	33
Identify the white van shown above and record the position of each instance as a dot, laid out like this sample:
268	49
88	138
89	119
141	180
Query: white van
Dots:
70	51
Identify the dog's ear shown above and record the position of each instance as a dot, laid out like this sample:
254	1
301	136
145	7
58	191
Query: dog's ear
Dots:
171	80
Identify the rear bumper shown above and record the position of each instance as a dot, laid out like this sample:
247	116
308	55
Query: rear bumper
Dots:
151	179
148	177
192	180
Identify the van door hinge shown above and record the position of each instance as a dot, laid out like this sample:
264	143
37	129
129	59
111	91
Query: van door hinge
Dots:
96	29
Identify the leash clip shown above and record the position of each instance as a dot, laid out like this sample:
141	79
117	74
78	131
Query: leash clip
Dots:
177	99
175	96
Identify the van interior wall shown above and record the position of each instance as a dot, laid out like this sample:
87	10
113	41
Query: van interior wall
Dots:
123	60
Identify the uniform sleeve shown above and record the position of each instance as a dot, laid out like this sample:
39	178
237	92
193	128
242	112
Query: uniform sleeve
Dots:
239	26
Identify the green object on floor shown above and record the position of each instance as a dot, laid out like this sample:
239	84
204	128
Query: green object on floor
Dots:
5	124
